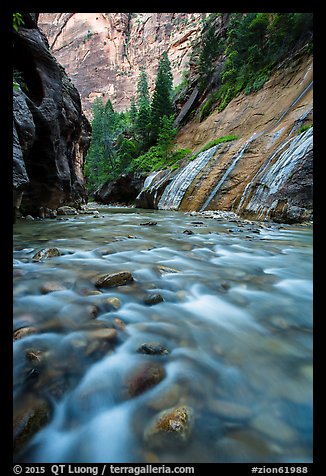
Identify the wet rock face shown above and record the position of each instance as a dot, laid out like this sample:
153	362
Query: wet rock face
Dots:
124	190
51	134
297	193
266	172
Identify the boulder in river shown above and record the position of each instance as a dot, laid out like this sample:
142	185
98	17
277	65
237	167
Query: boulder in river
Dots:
46	253
66	210
171	427
115	279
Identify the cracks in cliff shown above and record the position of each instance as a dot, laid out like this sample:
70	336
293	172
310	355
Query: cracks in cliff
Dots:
85	56
65	21
127	33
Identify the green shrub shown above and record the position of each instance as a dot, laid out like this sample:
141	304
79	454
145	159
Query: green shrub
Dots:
211	143
304	128
206	109
155	159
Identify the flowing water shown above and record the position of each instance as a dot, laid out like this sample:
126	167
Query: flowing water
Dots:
234	161
174	192
270	179
234	316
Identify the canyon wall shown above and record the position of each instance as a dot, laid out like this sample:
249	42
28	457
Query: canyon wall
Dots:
267	172
103	52
51	134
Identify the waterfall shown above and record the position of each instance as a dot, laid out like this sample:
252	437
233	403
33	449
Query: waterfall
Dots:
149	179
234	161
270	179
270	158
174	192
252	182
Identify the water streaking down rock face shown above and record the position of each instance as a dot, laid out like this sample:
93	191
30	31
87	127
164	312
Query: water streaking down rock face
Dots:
266	172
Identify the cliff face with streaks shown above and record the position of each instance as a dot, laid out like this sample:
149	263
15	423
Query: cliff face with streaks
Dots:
103	52
267	172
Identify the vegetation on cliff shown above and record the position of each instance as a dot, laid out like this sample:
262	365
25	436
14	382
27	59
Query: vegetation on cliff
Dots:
236	54
245	52
138	139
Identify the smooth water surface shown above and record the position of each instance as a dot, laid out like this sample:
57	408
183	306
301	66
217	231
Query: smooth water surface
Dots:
236	320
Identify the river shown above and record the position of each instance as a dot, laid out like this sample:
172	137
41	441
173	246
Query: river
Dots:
220	317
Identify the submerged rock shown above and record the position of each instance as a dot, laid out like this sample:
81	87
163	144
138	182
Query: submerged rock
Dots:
170	427
23	332
152	348
46	253
34	355
101	341
188	232
153	299
114	302
28	420
148	223
145	377
230	410
275	428
51	287
166	270
113	280
119	324
166	398
104	333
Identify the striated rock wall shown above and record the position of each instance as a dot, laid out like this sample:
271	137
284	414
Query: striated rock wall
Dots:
267	170
51	134
103	52
250	175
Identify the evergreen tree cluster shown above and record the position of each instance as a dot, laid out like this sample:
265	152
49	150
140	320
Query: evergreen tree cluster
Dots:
249	48
138	139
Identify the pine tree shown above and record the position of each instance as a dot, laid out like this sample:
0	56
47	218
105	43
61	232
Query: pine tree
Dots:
101	157
133	114
162	104
143	116
212	46
166	135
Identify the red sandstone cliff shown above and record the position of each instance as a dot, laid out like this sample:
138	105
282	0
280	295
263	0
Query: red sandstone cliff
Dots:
103	52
